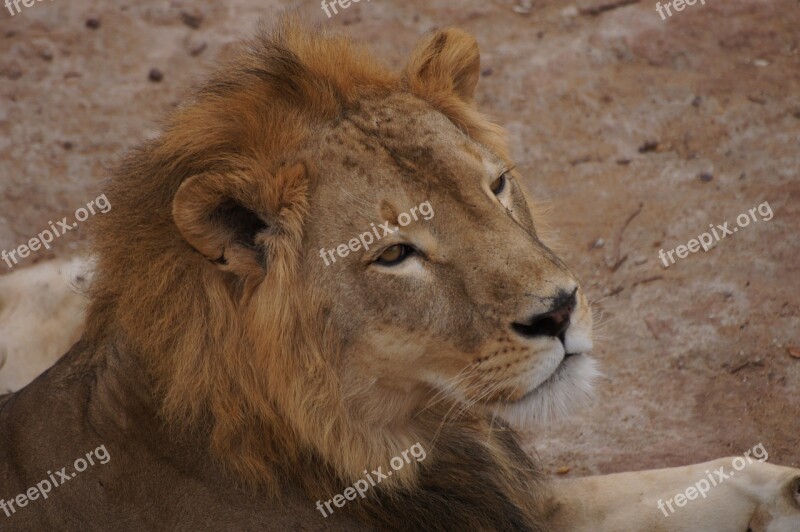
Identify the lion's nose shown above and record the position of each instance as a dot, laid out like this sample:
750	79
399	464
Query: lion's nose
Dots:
554	322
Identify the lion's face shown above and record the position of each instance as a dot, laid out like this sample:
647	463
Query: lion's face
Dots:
465	302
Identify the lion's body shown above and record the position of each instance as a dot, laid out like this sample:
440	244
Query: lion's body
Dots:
152	481
41	316
226	361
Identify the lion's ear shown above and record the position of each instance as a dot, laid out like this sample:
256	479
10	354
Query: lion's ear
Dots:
447	60
216	216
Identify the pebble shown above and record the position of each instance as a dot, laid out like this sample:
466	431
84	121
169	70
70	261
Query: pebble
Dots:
93	23
197	48
705	177
155	75
648	146
193	18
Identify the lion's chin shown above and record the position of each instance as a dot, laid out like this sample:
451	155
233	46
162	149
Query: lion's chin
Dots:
570	386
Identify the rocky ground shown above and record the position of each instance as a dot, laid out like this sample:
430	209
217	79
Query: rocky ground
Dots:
637	132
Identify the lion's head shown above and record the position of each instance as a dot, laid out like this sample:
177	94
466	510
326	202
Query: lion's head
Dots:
215	267
466	302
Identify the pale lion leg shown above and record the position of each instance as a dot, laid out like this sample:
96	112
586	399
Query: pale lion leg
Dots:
42	313
712	496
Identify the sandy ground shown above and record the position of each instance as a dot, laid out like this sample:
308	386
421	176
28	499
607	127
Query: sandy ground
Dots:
687	122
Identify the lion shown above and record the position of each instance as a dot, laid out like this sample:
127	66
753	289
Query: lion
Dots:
41	315
228	371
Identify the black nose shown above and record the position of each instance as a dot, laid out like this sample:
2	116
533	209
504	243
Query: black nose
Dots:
554	322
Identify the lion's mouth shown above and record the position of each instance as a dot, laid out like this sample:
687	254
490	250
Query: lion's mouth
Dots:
557	374
565	389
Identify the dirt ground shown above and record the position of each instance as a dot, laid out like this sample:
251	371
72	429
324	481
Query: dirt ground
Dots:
688	122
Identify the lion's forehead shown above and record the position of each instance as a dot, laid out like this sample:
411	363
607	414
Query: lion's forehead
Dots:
400	148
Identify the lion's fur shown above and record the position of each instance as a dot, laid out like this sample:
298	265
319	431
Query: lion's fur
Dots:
210	373
42	310
229	336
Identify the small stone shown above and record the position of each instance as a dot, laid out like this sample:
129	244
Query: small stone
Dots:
193	19
705	177
93	23
697	101
155	75
197	48
648	146
761	63
794	352
563	470
487	72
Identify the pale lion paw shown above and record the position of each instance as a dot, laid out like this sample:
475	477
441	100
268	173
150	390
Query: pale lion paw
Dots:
777	491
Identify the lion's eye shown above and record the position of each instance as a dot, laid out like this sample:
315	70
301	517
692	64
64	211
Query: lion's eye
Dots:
394	255
499	184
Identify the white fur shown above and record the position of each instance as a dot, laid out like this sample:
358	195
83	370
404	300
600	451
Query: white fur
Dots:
42	311
570	386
